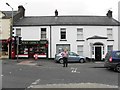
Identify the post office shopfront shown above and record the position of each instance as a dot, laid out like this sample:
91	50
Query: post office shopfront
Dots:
29	48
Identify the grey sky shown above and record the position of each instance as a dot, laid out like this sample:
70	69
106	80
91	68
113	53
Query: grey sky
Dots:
64	7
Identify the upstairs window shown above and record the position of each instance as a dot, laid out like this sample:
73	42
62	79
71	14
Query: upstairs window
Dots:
79	33
18	32
43	33
63	33
110	33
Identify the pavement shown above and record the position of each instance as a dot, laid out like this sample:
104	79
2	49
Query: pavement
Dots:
74	85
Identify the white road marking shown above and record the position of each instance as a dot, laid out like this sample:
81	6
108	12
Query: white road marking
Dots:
2	75
34	83
30	86
10	72
20	69
74	70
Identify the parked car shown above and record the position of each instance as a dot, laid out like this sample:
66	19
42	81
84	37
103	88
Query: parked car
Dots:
72	57
112	60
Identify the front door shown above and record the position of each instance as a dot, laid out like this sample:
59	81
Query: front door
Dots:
97	53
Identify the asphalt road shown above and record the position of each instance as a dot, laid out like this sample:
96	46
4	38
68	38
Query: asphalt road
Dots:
36	74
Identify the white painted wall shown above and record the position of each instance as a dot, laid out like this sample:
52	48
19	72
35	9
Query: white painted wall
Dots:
88	31
119	38
5	28
33	33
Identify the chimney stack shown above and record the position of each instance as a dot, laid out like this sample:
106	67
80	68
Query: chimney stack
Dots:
21	9
109	14
56	13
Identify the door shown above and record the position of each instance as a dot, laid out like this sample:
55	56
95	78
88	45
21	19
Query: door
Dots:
97	53
31	51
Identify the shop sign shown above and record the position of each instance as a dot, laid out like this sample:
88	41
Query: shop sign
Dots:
35	42
43	41
30	42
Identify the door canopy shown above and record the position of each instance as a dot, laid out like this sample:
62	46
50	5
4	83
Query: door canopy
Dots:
98	43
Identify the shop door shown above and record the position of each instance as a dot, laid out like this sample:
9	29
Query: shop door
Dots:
31	51
97	53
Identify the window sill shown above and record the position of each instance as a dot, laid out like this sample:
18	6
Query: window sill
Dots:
63	40
80	40
110	40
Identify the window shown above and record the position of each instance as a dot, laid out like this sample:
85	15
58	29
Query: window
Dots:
61	47
63	33
4	48
92	50
117	54
109	33
18	31
43	33
80	49
79	33
109	48
103	50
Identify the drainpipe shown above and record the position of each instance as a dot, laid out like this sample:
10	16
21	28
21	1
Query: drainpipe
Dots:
50	42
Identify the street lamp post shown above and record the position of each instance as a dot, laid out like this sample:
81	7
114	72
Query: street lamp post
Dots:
10	29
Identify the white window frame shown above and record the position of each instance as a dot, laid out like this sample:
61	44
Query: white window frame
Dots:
110	33
63	30
18	34
80	49
111	48
43	34
79	33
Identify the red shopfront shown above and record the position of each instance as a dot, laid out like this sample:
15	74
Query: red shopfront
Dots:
29	48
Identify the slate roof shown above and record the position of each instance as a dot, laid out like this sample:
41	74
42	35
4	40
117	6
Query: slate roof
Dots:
97	37
8	14
67	20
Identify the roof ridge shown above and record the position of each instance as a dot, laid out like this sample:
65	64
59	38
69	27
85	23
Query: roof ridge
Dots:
69	16
9	11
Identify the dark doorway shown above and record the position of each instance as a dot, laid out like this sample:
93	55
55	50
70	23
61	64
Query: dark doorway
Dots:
97	53
31	51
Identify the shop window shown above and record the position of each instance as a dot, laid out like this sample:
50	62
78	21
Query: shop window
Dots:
33	49
23	49
4	47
